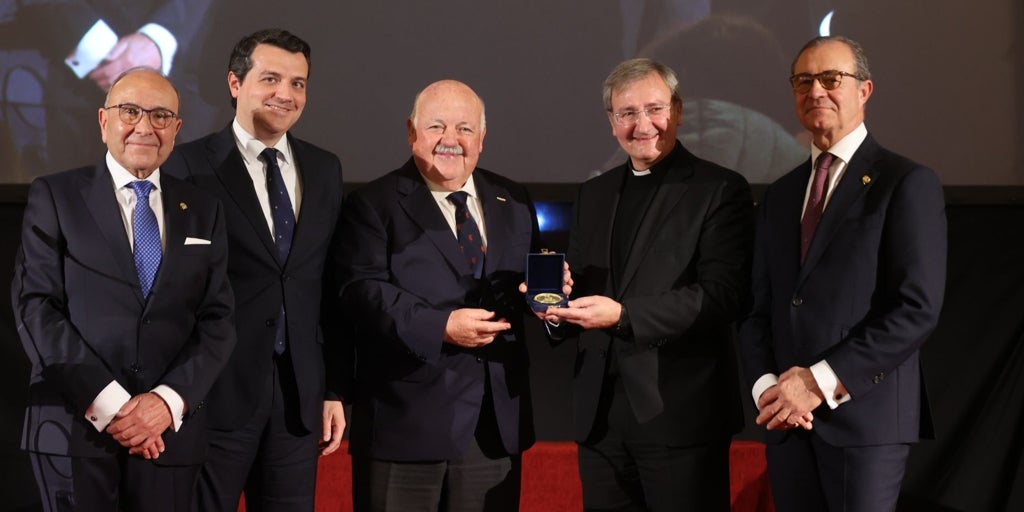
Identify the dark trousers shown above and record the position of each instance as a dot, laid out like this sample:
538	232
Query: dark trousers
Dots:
273	458
808	474
622	469
121	482
484	478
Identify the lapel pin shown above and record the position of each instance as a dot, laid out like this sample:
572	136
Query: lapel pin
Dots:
499	198
865	179
183	206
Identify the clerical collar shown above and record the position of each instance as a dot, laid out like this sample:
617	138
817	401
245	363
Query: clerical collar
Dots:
658	167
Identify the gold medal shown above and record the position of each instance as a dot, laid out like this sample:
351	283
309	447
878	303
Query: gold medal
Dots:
547	298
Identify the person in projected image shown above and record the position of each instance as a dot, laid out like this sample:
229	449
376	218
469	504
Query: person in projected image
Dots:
58	58
659	252
848	280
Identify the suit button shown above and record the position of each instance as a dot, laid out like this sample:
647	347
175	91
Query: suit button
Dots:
878	378
797	301
604	354
146	321
479	359
271	322
200	405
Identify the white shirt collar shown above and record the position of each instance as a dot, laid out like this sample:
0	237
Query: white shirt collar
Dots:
251	147
122	177
845	147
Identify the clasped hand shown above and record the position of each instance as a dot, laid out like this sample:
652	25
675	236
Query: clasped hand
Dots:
789	403
140	423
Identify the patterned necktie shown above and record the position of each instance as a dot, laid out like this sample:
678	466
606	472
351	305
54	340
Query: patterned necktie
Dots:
283	215
146	236
815	203
470	241
280	205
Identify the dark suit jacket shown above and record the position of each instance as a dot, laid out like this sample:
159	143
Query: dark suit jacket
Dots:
867	296
261	282
682	285
419	398
84	323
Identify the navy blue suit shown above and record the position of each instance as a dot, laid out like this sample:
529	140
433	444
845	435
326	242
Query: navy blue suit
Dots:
417	398
84	321
865	300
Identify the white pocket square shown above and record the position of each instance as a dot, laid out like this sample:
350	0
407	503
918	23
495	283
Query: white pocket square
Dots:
196	241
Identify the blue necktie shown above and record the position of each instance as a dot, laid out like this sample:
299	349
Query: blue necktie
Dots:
470	241
146	236
283	215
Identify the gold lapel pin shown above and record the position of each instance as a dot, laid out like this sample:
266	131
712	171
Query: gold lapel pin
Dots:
865	179
183	206
499	198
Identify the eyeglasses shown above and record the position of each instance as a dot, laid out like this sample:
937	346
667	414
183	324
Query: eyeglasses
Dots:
131	113
829	80
631	117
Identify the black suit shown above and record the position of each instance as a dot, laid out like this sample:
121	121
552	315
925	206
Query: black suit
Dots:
262	285
865	299
419	399
84	321
681	285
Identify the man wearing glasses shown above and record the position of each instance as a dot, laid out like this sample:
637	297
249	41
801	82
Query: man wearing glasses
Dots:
849	272
660	255
123	306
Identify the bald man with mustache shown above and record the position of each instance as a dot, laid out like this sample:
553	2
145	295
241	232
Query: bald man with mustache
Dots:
432	257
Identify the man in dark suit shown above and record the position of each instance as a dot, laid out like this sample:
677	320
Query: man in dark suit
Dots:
124	308
270	408
660	254
849	271
432	257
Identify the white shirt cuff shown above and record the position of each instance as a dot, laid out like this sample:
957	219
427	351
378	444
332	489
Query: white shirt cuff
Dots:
174	403
766	381
103	409
92	49
827	383
165	41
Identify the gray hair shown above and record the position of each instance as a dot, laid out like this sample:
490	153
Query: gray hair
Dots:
860	59
633	70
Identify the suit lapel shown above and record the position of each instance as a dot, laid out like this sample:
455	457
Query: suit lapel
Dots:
99	199
175	223
418	203
850	188
314	201
671	190
497	221
226	161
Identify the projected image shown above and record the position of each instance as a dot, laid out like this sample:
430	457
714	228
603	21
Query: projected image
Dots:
539	68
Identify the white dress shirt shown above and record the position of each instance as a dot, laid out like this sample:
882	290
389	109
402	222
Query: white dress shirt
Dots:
110	400
824	375
250	147
448	208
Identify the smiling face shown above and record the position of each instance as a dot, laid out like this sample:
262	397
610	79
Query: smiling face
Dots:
446	133
271	97
139	147
830	115
652	137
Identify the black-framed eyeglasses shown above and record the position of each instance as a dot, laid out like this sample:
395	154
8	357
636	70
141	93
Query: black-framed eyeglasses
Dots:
631	117
131	113
829	79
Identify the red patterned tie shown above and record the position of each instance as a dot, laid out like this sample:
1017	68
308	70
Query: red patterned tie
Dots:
815	203
470	241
